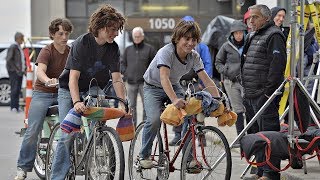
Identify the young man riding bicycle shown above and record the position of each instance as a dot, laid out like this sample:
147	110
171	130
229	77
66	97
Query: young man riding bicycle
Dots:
162	80
50	62
92	55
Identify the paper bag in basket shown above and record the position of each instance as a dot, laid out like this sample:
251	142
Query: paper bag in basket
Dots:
173	116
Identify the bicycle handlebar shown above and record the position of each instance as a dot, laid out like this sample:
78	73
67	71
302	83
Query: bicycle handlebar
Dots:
125	102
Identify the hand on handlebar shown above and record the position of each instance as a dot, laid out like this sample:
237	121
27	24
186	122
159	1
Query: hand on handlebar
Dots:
79	107
53	82
179	103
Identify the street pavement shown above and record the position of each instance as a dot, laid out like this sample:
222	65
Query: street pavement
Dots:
13	122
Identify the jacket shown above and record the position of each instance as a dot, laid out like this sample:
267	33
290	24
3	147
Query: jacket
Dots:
263	61
136	59
13	59
228	59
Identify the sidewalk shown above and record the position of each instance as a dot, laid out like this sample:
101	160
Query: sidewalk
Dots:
313	166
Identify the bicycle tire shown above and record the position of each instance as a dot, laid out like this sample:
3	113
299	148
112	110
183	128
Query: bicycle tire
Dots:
53	141
39	162
212	137
114	165
135	171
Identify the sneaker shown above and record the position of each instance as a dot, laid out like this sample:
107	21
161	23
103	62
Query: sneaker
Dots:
193	167
15	110
146	163
21	174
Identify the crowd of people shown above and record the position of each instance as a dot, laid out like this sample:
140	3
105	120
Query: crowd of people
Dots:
251	62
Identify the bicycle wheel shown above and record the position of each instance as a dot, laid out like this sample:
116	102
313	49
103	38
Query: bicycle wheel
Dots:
212	144
161	167
51	148
40	160
108	161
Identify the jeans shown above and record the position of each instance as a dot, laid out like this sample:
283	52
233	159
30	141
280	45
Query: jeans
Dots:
153	99
61	161
15	83
133	90
38	109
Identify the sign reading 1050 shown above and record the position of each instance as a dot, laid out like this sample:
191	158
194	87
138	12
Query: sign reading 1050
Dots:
162	23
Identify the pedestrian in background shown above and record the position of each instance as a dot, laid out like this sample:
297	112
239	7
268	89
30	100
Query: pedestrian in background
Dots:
263	63
192	77
136	59
227	63
278	15
16	67
51	61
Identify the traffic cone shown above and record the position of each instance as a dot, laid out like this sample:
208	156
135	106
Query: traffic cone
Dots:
28	86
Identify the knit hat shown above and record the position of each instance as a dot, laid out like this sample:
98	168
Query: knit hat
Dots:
275	10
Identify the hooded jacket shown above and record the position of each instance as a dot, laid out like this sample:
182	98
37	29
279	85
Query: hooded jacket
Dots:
228	59
274	12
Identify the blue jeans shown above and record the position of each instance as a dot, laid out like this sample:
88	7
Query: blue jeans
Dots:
153	98
38	109
61	161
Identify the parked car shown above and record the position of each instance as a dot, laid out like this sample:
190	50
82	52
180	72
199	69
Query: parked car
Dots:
5	88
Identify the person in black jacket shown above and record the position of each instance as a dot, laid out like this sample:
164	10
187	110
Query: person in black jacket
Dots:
263	64
278	15
136	60
16	67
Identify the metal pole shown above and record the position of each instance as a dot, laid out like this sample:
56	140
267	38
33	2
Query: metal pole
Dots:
293	23
301	44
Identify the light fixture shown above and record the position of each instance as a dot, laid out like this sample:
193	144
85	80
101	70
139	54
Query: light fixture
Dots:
161	8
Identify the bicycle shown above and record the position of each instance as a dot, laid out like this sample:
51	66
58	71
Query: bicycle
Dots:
212	165
52	118
97	151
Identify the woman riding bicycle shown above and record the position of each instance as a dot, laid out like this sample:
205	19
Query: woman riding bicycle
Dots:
92	55
50	62
162	80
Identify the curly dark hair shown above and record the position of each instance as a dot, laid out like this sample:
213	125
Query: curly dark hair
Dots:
105	16
184	29
54	26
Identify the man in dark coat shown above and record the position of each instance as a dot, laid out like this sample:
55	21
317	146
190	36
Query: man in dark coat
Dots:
136	60
16	69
